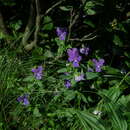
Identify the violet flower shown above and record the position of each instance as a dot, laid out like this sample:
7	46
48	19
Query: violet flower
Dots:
79	78
23	99
74	56
61	33
67	83
98	64
38	72
84	50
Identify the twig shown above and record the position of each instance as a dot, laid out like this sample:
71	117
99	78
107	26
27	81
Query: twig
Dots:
38	18
29	25
52	7
73	19
81	40
29	47
70	26
84	38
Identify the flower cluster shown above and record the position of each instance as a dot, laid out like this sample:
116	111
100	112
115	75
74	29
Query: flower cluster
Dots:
38	72
67	83
98	64
79	78
61	33
74	56
84	50
23	99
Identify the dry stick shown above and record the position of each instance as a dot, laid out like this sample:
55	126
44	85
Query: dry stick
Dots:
38	19
29	25
70	25
84	39
29	47
52	7
72	22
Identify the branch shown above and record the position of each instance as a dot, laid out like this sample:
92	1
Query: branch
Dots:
29	25
84	38
81	40
73	19
52	7
29	47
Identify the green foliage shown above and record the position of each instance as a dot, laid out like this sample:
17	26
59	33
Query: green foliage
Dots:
89	8
99	101
48	23
91	75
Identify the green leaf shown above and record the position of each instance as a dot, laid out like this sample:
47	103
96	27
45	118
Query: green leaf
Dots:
127	63
48	54
127	54
116	117
89	5
91	12
8	3
111	70
128	14
91	75
48	23
90	23
69	95
36	112
84	98
89	8
2	35
39	83
37	51
16	25
110	95
89	121
117	41
29	79
127	79
65	8
62	70
122	28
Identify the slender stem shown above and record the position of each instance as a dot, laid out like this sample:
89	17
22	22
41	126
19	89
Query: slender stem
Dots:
52	7
38	19
123	79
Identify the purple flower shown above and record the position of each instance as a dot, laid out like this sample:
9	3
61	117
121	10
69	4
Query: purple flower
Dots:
98	64
67	83
74	56
61	33
23	99
38	72
79	78
84	51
